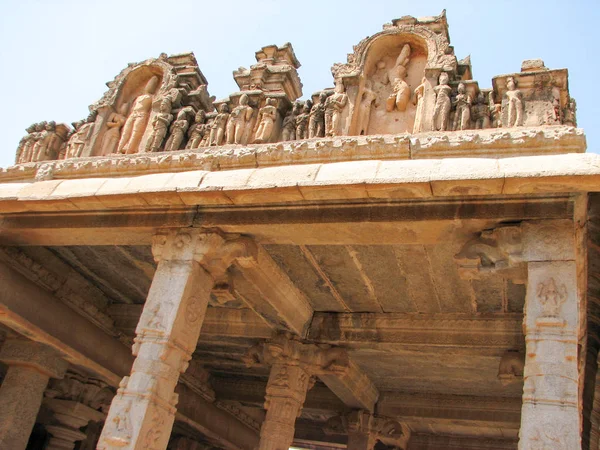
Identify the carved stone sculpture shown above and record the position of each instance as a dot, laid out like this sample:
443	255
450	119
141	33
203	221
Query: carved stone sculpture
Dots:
160	125
136	123
178	130
302	121
514	104
418	101
364	108
217	127
288	132
316	124
397	76
334	105
481	112
441	111
82	133
495	111
115	122
462	117
198	132
570	113
40	136
239	119
511	367
25	148
266	121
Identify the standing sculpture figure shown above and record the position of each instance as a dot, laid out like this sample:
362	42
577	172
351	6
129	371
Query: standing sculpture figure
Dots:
160	125
238	121
288	128
40	135
334	105
49	143
441	111
217	128
266	121
197	131
77	141
302	121
364	109
514	103
570	114
418	101
316	124
495	111
136	123
115	122
178	129
462	116
481	112
25	148
397	76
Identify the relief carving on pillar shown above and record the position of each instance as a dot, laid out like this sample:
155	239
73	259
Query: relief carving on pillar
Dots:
551	297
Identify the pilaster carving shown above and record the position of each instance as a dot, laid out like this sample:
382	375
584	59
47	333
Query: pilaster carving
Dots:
189	262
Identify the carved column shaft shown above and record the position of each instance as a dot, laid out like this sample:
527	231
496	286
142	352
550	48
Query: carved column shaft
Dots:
286	393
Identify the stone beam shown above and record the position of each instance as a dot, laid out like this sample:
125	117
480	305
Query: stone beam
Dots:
400	222
388	331
351	385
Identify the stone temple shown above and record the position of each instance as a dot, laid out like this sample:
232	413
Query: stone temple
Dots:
401	260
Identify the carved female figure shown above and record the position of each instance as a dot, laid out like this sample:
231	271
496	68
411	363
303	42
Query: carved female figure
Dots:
217	128
316	123
289	123
514	103
481	112
115	122
266	121
83	131
238	121
302	121
334	105
462	117
441	111
418	101
178	129
364	109
495	111
400	90
26	146
135	125
40	135
50	141
197	130
160	125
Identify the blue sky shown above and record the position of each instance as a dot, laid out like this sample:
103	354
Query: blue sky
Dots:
56	56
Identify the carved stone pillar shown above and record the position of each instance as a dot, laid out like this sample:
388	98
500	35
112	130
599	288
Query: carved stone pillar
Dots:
31	365
365	429
142	413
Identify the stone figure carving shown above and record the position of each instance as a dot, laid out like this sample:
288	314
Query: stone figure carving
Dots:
511	367
302	120
462	102
83	131
570	113
418	101
316	124
238	121
441	111
288	127
178	130
136	123
266	121
481	112
198	132
397	76
40	135
217	128
495	111
50	144
334	105
364	109
514	104
25	148
160	125
551	297
111	137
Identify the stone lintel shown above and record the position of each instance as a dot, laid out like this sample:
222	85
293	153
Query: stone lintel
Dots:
20	352
352	386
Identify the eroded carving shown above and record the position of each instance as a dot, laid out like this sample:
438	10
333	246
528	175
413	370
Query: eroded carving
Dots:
400	95
511	367
267	117
178	130
462	102
551	297
334	105
316	126
136	122
217	127
514	104
239	120
160	125
111	138
441	112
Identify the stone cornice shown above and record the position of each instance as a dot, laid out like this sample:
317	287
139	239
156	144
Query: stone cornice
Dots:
489	143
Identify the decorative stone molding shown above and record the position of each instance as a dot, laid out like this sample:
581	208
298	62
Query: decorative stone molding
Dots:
18	352
77	387
511	367
237	412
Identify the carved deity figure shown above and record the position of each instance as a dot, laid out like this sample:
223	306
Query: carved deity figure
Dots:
160	125
495	111
178	130
514	103
39	137
418	101
441	111
266	121
288	128
47	146
551	297
481	112
77	141
316	124
238	121
217	128
111	137
397	76
198	132
25	149
136	123
334	105
302	121
462	102
364	109
570	113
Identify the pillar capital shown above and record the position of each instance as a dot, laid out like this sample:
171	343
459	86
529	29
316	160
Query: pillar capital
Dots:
20	352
